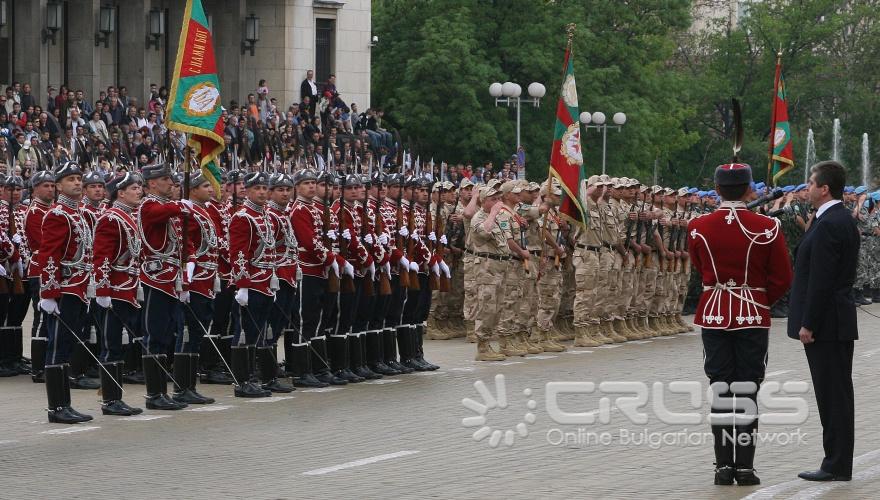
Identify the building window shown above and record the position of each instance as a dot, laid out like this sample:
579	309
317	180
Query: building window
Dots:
325	36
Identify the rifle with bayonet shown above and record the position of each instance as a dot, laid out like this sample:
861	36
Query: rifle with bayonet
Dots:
369	290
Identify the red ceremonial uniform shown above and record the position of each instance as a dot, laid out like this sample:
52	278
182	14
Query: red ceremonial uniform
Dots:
16	254
388	212
65	258
252	249
308	228
159	223
358	255
744	263
203	231
285	242
91	212
117	254
220	214
32	229
421	255
378	252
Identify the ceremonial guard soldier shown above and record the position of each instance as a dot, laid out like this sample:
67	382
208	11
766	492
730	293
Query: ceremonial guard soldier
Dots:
280	319
308	360
43	194
252	252
65	263
160	226
394	212
94	192
13	296
117	250
744	265
198	299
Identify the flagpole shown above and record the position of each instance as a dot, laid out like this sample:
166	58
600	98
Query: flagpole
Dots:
772	139
570	31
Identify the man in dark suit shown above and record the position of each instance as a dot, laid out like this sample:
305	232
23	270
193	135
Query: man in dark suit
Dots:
822	316
308	88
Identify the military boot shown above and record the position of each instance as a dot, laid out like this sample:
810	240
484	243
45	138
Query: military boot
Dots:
545	340
671	326
598	335
631	324
532	347
584	337
509	347
486	353
608	330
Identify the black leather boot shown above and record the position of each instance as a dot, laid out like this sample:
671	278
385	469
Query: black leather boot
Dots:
356	350
58	395
289	338
389	338
241	373
19	362
186	367
420	348
320	362
78	364
339	359
744	457
375	353
133	356
38	359
723	443
412	350
112	403
875	295
268	369
300	367
157	384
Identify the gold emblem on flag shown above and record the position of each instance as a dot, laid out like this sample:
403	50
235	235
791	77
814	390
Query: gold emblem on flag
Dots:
569	92
201	100
570	145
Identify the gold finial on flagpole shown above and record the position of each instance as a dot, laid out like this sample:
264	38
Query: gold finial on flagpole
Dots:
570	27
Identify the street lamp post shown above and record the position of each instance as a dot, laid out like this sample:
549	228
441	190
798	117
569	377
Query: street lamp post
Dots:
597	121
508	93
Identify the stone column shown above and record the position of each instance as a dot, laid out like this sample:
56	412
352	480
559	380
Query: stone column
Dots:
84	60
31	54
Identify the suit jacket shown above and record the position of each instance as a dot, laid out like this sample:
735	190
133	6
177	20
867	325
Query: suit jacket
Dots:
824	271
306	90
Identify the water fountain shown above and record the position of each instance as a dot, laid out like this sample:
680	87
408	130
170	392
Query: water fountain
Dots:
811	154
835	140
866	161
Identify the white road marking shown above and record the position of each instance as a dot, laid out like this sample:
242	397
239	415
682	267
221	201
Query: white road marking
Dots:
508	363
609	346
690	334
666	337
463	369
358	463
823	488
322	389
541	357
425	374
772	491
776	373
272	399
640	341
8	441
382	381
210	408
143	418
578	352
71	430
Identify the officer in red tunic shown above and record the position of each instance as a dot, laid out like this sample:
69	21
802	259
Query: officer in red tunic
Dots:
160	226
280	185
308	360
13	303
252	253
744	265
198	299
43	194
65	262
94	192
395	211
117	251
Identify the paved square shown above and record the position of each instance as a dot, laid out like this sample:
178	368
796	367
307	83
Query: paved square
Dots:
404	437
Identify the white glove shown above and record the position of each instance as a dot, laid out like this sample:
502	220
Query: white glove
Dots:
383	239
50	306
368	239
190	270
346	235
184	297
432	236
3	272
416	237
187	203
334	266
241	296
404	262
435	269
403	231
413	267
387	268
16	238
348	269
331	235
443	240
445	269
372	270
103	302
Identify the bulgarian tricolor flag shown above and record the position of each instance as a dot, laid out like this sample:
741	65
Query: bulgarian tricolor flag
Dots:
781	152
194	102
566	159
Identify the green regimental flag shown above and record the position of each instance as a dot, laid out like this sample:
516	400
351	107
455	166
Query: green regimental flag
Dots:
194	103
781	149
